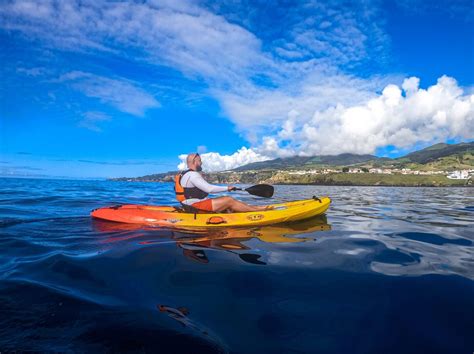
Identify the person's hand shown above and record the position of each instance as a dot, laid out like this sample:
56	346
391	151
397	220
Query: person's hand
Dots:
231	188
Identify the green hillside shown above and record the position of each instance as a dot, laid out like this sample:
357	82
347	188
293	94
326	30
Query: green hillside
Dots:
439	151
441	156
364	179
309	162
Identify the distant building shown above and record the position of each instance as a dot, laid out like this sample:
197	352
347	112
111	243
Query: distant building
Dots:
301	172
463	174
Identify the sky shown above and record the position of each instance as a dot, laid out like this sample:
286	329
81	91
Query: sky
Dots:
97	89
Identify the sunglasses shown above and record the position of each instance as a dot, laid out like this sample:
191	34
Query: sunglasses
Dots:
195	156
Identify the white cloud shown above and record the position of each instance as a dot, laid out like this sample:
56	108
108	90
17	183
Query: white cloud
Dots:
202	44
213	161
183	36
91	119
38	71
396	117
122	94
264	109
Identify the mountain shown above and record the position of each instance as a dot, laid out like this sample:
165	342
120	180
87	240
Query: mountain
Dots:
431	155
437	151
302	162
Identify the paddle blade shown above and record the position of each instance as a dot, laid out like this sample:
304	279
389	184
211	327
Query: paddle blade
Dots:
251	258
261	190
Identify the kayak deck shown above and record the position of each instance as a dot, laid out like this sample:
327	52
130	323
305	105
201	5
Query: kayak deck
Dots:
168	216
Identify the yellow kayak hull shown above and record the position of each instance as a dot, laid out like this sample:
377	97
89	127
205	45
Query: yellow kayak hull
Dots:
166	216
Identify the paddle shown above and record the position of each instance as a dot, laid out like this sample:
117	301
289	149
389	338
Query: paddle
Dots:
260	190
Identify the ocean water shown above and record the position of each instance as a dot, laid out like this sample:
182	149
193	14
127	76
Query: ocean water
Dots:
386	270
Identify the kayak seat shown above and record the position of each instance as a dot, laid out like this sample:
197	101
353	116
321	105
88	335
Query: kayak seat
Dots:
190	209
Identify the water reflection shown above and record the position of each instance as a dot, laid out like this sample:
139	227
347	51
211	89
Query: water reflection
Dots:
367	286
194	243
180	315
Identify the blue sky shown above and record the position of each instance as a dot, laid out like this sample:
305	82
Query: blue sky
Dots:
106	89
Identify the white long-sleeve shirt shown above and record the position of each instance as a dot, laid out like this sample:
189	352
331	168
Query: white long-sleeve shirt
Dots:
194	179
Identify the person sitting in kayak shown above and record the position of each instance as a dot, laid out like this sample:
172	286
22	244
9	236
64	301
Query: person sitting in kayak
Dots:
192	190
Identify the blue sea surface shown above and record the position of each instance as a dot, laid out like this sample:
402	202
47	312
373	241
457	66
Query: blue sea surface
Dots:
386	270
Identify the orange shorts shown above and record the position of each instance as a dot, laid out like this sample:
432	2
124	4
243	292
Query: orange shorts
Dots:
205	205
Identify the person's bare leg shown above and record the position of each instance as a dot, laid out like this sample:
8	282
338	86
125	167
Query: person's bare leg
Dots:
223	203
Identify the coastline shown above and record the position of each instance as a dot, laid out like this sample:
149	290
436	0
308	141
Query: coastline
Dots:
337	179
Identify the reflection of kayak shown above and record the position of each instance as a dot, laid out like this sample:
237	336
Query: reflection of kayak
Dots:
266	233
236	240
195	242
175	217
273	234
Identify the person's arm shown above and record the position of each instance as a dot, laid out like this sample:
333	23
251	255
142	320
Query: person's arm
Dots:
199	182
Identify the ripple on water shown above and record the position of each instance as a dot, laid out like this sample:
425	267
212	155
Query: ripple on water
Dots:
433	238
365	280
41	318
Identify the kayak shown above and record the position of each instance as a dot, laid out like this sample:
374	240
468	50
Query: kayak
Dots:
175	217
